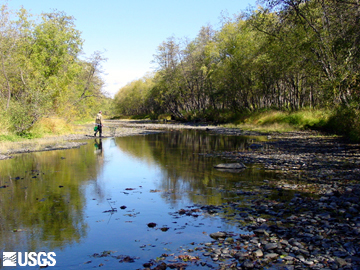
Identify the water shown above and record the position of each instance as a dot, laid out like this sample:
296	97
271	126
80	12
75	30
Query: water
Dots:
68	201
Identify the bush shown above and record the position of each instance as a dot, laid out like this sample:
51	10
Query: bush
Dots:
345	121
4	123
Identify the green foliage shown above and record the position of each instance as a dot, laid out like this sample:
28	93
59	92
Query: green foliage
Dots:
287	55
9	138
22	116
135	98
345	121
42	73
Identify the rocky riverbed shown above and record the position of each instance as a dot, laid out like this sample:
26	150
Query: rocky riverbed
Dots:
317	227
308	218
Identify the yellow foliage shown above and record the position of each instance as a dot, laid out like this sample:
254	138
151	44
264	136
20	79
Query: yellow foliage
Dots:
164	117
54	126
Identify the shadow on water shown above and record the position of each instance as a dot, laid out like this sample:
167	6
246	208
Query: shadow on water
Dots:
100	197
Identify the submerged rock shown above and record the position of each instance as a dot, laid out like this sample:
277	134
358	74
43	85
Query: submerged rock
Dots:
218	235
230	166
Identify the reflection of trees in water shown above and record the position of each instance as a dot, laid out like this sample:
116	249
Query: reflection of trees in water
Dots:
43	203
184	170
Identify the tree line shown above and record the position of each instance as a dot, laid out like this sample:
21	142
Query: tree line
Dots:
286	54
43	71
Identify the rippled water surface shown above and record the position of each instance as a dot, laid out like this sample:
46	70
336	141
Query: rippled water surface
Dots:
101	197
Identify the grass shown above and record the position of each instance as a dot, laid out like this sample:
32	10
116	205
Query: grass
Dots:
51	126
276	127
281	121
41	134
33	144
9	137
83	121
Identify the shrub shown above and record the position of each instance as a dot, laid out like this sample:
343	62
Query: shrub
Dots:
345	121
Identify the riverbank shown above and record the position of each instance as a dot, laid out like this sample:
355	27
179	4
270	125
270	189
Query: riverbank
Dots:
84	132
80	136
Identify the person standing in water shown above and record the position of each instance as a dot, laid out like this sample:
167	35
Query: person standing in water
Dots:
99	123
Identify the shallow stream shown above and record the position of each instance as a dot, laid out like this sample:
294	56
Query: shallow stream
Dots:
121	196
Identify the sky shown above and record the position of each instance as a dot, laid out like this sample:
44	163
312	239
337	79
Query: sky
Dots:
128	32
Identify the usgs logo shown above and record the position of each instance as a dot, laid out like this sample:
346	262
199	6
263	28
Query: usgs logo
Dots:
29	259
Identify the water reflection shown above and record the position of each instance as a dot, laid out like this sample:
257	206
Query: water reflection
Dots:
98	146
59	200
41	196
185	170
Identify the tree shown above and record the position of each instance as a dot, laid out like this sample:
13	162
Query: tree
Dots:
168	83
195	70
332	26
41	73
136	98
289	54
8	39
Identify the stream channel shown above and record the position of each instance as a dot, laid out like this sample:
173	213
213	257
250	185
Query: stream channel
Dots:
122	196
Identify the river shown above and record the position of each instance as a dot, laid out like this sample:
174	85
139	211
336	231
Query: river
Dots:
120	202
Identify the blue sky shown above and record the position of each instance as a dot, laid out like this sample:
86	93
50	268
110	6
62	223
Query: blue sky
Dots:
130	31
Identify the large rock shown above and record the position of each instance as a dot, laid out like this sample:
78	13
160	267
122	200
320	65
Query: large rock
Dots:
271	256
270	246
258	253
218	235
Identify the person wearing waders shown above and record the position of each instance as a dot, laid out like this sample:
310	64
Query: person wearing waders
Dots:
98	122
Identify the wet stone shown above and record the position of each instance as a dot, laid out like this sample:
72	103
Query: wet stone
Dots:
248	264
218	235
261	231
258	253
271	256
271	246
230	166
300	258
241	255
217	251
306	262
